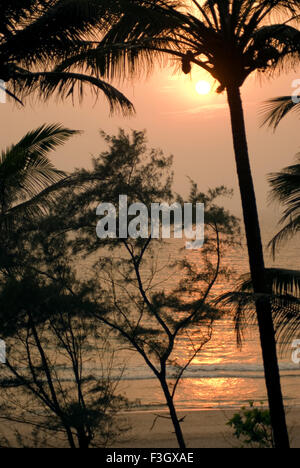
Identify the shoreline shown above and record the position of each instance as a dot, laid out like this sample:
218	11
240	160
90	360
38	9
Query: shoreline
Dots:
202	428
232	409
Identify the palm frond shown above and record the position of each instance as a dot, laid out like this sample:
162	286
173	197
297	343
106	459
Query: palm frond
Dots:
25	169
120	60
55	27
285	234
274	110
141	37
284	281
286	189
39	204
285	301
286	184
280	281
14	12
65	84
38	35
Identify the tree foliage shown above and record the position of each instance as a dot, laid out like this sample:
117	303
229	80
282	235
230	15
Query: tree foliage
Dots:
47	383
27	177
36	37
131	287
252	426
230	40
286	190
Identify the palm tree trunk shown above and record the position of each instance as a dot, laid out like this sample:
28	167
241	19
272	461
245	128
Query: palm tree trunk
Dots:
257	268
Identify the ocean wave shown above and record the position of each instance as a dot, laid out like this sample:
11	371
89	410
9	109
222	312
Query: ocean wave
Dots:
245	371
203	371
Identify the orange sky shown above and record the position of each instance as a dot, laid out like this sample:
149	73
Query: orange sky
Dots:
194	128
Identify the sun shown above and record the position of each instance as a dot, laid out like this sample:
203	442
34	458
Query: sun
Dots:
203	87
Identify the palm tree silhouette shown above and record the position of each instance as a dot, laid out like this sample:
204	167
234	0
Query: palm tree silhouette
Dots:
286	190
37	35
285	183
284	283
285	299
230	40
28	180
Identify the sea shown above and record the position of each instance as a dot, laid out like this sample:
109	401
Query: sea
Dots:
222	376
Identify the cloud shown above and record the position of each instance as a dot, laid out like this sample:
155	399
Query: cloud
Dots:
207	108
198	109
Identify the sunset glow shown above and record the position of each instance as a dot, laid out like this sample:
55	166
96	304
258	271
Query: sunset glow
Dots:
149	227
